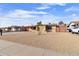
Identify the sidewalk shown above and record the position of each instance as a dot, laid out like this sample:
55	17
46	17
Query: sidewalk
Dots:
8	48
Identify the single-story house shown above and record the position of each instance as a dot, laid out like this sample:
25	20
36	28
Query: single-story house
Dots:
61	28
51	28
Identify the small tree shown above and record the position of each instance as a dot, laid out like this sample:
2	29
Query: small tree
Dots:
38	28
61	22
39	23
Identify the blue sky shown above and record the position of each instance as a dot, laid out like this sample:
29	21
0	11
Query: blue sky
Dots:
31	13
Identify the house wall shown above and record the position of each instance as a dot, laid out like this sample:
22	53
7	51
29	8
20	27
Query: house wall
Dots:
13	29
61	29
41	28
53	28
57	29
6	30
24	28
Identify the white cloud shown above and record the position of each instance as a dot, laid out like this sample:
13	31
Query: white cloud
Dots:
10	19
4	22
50	19
60	4
72	9
19	15
27	18
23	14
74	15
48	5
28	12
43	7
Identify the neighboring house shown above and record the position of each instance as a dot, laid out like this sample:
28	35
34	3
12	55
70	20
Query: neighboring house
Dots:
41	28
15	28
24	28
6	29
49	27
61	28
19	28
44	27
55	28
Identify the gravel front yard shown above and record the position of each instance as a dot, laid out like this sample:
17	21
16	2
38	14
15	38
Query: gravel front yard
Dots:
66	43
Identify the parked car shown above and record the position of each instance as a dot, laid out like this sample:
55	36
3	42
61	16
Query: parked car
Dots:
75	30
69	30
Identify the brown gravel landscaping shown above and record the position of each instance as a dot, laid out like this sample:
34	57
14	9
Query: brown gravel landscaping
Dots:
62	42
